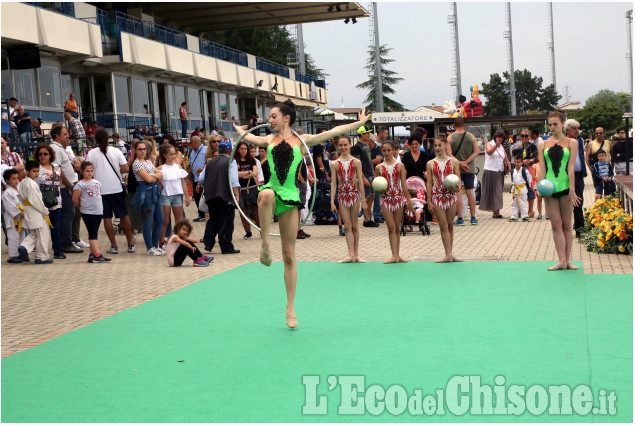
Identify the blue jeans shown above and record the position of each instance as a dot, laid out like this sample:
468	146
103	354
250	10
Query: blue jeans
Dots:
183	128
376	208
152	211
56	232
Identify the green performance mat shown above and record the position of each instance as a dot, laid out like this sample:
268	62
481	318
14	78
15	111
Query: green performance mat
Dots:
424	342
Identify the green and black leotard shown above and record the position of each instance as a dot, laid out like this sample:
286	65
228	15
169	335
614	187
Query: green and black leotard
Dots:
556	160
285	161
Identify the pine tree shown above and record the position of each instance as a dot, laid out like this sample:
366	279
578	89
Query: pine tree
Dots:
389	78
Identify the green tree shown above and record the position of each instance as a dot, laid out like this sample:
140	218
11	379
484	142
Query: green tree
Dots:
389	78
622	100
530	94
604	114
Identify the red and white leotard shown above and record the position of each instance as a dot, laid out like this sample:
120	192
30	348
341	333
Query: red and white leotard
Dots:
347	193
393	198
441	196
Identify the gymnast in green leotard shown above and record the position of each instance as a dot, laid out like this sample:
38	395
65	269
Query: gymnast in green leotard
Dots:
280	195
557	160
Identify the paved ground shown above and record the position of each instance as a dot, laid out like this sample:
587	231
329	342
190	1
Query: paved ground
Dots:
42	302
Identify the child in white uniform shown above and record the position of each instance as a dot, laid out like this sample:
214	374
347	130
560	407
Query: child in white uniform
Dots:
35	217
520	183
13	214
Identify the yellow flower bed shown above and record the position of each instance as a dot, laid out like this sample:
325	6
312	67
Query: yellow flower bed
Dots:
608	228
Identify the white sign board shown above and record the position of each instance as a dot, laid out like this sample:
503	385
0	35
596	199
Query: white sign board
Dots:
401	117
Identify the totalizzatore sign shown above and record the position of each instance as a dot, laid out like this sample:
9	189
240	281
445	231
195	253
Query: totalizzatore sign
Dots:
401	117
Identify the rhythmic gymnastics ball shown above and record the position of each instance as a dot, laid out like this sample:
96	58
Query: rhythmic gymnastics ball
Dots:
380	184
452	180
546	187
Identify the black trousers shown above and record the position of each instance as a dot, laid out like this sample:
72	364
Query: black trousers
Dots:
221	223
197	199
182	252
578	212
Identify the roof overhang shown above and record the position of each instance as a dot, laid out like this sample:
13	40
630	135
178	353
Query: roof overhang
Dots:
215	16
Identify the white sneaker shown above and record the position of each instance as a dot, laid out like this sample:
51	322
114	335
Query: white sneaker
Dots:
113	250
153	251
81	244
160	251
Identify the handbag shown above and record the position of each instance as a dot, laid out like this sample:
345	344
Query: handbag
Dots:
124	189
202	205
249	195
50	192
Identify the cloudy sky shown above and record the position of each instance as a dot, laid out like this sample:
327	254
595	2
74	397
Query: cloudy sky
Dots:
590	48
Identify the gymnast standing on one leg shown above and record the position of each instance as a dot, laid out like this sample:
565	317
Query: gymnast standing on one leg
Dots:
280	196
348	182
556	157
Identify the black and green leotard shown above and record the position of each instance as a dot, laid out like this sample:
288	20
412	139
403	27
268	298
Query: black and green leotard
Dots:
285	161
556	160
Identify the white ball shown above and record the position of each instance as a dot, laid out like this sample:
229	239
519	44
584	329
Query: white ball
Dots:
380	184
452	180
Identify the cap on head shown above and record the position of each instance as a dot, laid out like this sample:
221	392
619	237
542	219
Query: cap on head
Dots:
225	144
363	130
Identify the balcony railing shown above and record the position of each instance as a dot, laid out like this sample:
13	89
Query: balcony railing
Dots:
308	79
218	51
63	8
150	30
271	68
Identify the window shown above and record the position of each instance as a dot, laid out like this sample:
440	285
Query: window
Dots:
122	95
50	90
171	109
179	96
233	107
25	86
7	90
194	103
70	84
140	96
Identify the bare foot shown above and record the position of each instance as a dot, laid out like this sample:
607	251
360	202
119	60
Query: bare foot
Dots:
348	259
456	260
447	259
391	260
292	321
402	260
359	259
571	266
559	266
265	255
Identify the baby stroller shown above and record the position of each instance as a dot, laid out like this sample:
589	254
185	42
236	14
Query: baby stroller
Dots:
418	184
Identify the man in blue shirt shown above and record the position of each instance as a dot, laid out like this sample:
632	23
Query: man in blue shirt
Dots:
196	165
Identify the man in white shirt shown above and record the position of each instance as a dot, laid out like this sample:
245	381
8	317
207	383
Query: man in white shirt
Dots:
60	140
108	169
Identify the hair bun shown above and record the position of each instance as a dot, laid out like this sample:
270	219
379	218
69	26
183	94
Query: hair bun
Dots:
289	103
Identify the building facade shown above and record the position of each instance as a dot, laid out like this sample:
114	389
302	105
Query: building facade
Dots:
126	70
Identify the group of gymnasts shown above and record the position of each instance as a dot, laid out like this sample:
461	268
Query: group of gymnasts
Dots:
281	197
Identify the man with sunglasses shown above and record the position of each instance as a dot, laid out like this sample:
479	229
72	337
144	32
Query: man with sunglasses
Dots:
596	145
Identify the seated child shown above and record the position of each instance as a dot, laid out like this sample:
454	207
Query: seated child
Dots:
603	173
418	202
13	214
180	245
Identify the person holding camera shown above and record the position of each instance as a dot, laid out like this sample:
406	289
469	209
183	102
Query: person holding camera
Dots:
494	170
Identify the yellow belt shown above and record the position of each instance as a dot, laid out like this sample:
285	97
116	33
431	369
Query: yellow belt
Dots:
48	220
517	188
